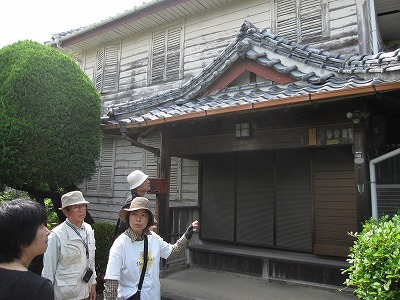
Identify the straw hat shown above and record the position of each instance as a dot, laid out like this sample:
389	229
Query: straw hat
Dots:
136	204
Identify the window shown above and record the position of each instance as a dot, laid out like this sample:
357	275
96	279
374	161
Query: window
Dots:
301	20
166	61
102	181
107	69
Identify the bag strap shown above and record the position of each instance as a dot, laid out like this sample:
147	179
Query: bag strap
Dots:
144	264
77	232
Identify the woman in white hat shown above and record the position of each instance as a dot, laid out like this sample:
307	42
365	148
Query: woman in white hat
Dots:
126	259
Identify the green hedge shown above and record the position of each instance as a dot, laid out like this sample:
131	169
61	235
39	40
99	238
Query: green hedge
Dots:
103	233
375	260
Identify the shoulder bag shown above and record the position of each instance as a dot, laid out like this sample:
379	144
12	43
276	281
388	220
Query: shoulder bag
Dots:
136	296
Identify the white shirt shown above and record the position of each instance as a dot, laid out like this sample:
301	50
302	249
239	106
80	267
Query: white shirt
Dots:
126	261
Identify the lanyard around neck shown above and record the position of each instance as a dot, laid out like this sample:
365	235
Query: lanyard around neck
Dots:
77	232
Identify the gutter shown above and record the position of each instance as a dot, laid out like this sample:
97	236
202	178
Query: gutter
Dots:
372	163
121	19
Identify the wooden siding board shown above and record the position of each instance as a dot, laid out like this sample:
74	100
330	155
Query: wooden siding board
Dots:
337	191
336	219
335	201
334	198
331	250
334	204
342	180
335	212
345	166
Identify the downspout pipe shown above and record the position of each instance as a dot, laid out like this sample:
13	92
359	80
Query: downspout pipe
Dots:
124	135
374	31
372	163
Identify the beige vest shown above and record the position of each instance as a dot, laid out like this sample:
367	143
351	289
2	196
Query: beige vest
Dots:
72	264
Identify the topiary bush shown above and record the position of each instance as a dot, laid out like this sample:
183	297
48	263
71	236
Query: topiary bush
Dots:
375	260
104	235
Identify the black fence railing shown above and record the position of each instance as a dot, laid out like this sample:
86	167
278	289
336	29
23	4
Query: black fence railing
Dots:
179	219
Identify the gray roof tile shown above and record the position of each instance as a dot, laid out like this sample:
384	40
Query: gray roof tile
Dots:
259	45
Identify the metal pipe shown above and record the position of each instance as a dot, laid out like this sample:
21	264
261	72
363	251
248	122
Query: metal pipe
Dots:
372	163
374	31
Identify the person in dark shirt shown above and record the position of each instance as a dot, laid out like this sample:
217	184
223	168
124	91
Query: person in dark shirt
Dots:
23	236
139	184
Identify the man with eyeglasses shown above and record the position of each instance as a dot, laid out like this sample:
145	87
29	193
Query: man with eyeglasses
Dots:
69	262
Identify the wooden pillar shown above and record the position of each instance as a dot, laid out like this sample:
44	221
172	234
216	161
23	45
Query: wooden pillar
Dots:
163	199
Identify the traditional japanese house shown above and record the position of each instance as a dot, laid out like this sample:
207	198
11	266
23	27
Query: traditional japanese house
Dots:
259	117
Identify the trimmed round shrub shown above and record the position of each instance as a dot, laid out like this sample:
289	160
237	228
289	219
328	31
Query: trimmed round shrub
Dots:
375	260
50	134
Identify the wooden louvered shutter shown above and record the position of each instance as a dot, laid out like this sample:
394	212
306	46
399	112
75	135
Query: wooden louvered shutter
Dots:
111	68
173	63
300	20
101	182
166	55
151	161
99	70
310	19
175	178
286	19
158	58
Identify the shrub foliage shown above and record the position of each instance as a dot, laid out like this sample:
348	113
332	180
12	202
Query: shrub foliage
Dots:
375	260
104	235
50	134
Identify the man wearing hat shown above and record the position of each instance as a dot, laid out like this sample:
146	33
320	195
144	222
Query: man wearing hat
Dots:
139	184
69	262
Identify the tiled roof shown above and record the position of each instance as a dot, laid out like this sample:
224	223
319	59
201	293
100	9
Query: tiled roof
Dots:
335	71
232	98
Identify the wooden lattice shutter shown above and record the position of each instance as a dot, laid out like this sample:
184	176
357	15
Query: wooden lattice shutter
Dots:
158	59
99	70
286	19
310	19
107	69
174	178
166	55
299	20
111	68
101	182
151	161
173	61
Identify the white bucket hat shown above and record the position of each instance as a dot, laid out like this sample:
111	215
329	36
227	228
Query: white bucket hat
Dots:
72	198
136	178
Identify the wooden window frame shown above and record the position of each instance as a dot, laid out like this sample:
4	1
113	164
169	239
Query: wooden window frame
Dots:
299	16
102	181
166	55
107	69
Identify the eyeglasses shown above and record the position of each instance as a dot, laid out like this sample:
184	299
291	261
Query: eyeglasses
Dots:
79	207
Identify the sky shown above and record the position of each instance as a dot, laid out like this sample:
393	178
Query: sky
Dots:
38	20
